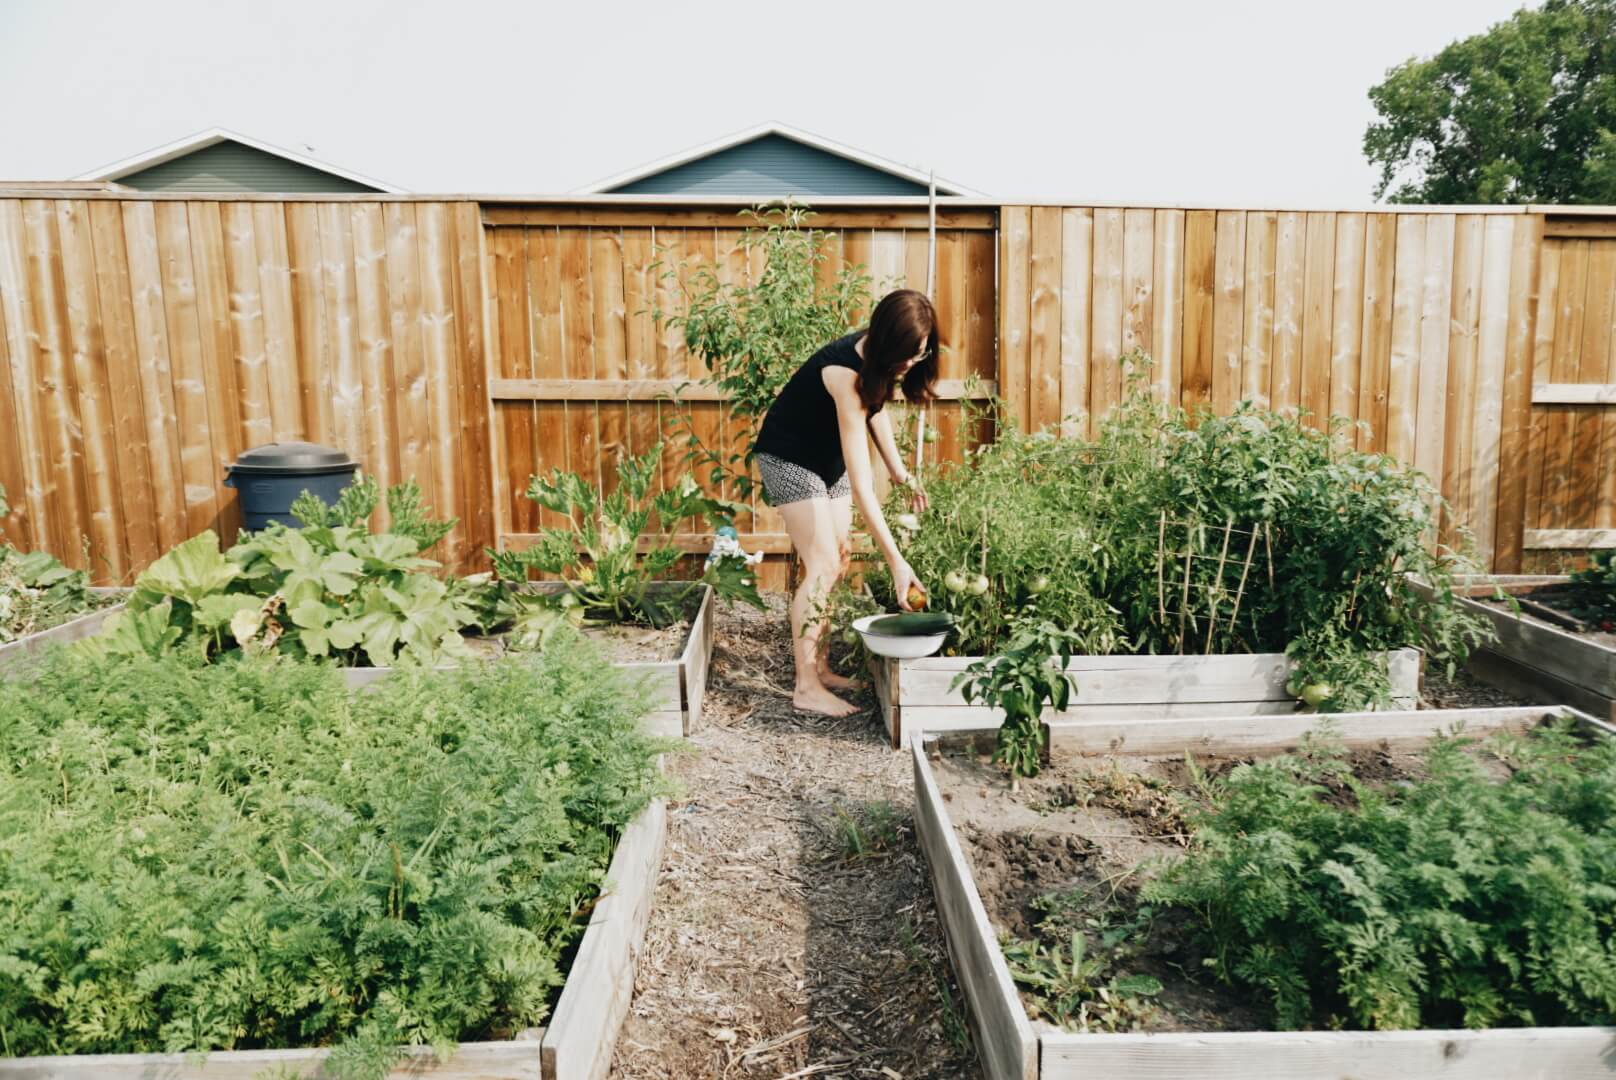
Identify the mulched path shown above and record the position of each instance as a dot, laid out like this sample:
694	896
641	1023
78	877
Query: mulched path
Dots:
793	932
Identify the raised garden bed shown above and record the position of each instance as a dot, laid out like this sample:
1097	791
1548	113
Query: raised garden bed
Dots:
916	695
678	684
597	965
577	1044
968	822
1539	652
19	651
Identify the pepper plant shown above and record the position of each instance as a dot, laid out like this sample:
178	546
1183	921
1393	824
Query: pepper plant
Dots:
1025	677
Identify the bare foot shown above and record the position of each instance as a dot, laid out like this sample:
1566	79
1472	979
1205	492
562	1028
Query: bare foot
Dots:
817	699
833	681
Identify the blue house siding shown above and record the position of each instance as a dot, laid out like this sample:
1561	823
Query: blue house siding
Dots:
230	166
771	166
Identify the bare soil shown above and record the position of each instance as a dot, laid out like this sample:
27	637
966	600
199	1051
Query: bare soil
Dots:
793	932
1077	841
630	644
1464	691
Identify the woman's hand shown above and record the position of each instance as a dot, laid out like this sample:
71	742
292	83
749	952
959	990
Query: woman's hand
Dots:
903	579
917	495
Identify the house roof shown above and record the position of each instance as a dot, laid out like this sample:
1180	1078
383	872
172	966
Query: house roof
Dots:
211	137
760	131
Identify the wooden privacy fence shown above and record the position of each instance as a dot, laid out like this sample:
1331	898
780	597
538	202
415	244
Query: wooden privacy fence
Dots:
468	342
144	343
584	372
1426	325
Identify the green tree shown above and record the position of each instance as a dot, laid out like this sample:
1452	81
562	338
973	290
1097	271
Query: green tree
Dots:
1525	112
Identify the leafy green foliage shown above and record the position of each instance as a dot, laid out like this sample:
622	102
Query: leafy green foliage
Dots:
598	552
323	591
36	591
1295	543
1596	586
752	337
246	855
407	515
1453	900
1027	675
1077	989
1524	112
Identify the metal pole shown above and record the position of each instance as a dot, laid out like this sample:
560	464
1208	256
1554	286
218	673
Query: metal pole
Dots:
931	291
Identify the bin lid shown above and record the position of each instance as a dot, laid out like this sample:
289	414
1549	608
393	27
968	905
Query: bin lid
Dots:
293	459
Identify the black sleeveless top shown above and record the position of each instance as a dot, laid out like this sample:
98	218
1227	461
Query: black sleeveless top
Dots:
800	427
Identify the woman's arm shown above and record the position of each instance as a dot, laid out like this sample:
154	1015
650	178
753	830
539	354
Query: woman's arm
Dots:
881	428
850	423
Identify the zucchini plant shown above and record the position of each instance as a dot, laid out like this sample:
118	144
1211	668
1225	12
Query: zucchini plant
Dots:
616	552
330	590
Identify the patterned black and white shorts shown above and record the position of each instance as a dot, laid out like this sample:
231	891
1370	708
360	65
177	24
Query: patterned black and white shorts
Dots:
785	482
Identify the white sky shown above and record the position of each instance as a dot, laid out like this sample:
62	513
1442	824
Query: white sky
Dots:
1238	102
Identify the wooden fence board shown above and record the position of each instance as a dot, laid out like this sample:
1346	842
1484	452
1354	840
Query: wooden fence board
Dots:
1015	309
186	370
1077	270
1228	310
1200	273
115	307
1044	317
1138	281
218	348
1463	330
1167	333
1380	250
92	417
1317	317
1346	332
1290	261
1257	338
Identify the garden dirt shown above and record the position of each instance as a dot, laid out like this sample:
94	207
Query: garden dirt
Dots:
793	932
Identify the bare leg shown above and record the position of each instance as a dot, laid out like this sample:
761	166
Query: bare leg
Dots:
841	514
813	535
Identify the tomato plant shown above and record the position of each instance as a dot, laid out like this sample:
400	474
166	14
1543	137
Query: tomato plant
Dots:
1183	532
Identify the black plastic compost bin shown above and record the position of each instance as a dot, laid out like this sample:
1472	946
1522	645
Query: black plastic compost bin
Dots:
271	477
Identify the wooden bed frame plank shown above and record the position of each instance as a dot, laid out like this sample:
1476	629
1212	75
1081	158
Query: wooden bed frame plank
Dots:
14	653
510	1060
1006	1045
594	1002
1535	657
914	695
1252	733
1543	1053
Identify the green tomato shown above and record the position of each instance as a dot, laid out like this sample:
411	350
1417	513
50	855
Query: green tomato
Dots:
954	581
931	434
850	637
1316	694
1037	585
1393	617
978	585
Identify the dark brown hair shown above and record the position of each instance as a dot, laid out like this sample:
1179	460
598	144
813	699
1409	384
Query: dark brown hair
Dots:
904	323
